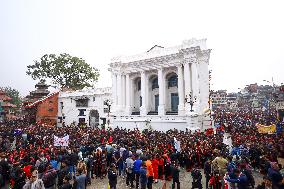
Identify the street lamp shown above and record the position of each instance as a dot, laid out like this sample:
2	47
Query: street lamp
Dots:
108	103
191	100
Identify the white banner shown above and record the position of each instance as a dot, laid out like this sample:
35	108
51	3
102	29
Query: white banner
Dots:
63	141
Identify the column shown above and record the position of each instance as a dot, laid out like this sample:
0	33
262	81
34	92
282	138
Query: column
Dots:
123	91
187	78
114	92
194	79
161	81
119	92
143	93
194	84
180	90
127	95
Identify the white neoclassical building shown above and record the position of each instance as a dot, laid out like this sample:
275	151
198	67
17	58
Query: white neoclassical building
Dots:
153	89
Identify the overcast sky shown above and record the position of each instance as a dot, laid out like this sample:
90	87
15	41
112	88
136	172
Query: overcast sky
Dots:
247	37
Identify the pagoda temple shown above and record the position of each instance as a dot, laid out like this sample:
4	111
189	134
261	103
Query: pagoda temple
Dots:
6	107
40	93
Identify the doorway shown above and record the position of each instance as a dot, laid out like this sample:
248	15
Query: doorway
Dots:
174	102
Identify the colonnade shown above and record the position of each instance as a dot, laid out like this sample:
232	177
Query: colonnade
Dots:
123	86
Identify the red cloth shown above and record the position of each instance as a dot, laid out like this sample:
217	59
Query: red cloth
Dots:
110	139
27	170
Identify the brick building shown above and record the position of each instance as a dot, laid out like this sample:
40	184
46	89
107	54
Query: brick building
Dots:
45	109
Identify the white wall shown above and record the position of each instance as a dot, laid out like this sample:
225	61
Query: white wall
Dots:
71	112
162	123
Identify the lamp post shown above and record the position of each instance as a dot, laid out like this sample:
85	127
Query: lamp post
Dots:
191	100
108	103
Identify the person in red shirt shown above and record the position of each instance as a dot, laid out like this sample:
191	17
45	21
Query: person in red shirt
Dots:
155	165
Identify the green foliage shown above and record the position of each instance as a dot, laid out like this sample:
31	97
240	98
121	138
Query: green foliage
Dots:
64	70
14	94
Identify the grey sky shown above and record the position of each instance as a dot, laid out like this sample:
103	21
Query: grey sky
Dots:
247	37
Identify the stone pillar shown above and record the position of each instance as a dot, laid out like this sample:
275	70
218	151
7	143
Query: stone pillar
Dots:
180	90
127	95
123	91
114	92
143	110
194	79
187	78
119	92
161	81
195	86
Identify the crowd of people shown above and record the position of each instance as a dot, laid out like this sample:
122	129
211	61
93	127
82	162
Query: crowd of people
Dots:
29	159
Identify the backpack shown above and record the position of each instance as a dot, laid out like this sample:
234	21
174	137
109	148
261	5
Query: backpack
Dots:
42	166
231	166
249	176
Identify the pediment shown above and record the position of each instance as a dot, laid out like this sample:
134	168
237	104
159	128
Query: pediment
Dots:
155	48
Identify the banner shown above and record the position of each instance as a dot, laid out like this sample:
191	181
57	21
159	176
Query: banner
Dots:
270	129
63	141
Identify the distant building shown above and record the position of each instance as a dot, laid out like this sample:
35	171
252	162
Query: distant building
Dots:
279	98
84	107
219	99
40	93
232	101
6	107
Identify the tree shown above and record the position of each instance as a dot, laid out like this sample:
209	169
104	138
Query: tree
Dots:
14	94
64	70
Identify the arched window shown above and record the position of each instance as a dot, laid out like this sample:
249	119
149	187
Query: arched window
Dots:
155	83
173	81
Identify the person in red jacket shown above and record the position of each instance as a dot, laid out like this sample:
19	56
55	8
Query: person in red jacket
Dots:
155	165
161	167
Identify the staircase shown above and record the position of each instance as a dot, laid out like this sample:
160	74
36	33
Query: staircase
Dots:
171	113
135	113
152	113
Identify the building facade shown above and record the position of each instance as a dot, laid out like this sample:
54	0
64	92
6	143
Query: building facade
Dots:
45	109
163	88
84	107
218	99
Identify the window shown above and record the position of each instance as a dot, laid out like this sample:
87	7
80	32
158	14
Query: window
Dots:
155	84
61	105
105	110
173	81
94	99
82	103
82	112
81	121
139	85
106	102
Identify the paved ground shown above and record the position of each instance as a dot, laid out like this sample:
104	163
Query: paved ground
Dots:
185	179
